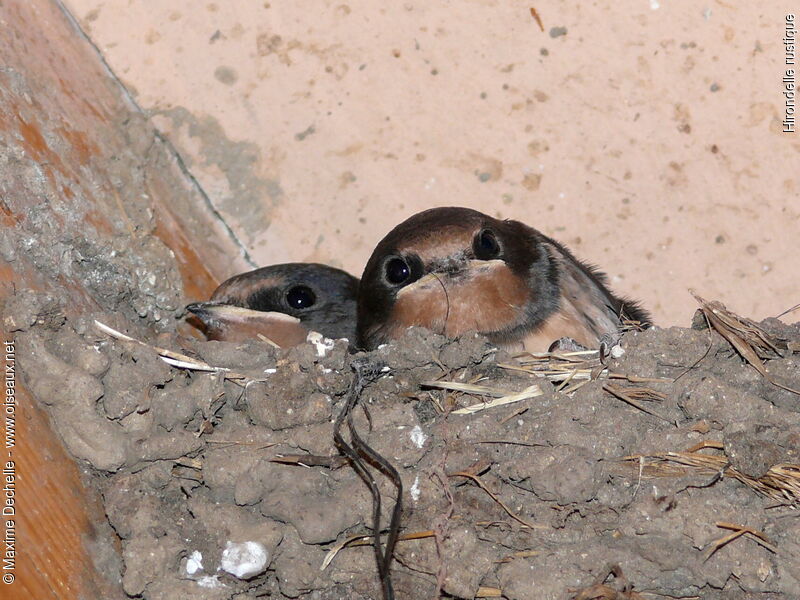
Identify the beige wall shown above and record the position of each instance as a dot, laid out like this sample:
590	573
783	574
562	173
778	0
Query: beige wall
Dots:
646	139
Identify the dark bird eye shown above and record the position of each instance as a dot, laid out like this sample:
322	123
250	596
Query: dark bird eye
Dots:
397	271
486	246
300	296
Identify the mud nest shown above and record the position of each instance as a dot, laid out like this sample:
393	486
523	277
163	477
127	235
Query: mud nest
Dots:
664	472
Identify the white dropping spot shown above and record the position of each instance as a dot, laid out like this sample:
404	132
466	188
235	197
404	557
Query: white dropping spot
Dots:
322	343
270	371
244	559
654	4
210	581
385	369
430	183
707	13
326	370
616	351
415	491
562	195
381	346
194	563
418	436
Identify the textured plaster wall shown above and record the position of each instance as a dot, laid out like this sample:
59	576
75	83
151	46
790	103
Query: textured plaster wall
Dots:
645	135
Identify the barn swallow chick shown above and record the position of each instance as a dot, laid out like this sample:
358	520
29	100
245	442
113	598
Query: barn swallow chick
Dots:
282	303
454	270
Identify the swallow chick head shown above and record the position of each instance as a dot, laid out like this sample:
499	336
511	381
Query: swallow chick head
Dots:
281	303
454	270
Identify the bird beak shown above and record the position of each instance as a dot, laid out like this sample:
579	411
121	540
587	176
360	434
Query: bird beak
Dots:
229	323
453	274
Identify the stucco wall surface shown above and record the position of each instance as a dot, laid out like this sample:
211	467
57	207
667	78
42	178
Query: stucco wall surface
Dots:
645	135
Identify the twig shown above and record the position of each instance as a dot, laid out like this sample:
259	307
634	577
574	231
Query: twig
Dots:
360	453
494	497
781	482
623	395
738	531
175	359
788	310
501	397
744	335
310	460
526	394
363	540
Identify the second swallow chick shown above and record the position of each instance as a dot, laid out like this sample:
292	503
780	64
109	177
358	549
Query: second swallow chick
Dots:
281	303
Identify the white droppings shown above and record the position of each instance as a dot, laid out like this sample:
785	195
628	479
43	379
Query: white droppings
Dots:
322	343
385	369
244	559
654	4
418	436
326	370
270	371
617	351
194	563
210	581
415	491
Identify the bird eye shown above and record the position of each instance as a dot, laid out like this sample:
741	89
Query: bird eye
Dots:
397	271
485	245
300	296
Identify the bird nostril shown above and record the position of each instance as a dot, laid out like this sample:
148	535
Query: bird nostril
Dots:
195	307
485	245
